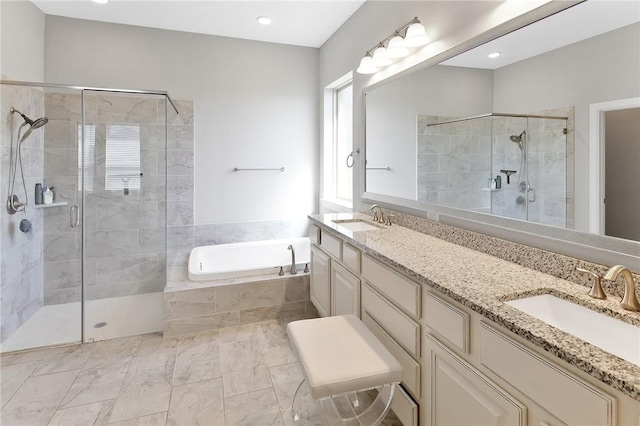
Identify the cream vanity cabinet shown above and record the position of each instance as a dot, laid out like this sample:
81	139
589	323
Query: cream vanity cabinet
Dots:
335	288
391	309
475	372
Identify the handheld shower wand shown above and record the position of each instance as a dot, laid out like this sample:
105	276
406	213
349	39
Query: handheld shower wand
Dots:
14	205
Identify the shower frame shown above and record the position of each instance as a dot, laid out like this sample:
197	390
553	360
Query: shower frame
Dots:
83	90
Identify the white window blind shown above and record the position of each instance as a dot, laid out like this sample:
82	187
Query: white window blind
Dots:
122	157
89	156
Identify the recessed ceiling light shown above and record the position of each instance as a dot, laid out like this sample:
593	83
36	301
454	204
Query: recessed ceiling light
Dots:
100	1
263	20
494	55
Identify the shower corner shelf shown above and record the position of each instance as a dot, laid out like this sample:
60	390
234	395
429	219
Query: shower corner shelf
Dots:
42	206
492	189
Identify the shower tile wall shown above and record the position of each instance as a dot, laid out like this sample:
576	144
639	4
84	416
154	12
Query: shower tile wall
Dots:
21	259
124	233
454	162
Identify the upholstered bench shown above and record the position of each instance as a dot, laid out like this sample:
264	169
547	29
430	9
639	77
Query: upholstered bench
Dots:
342	360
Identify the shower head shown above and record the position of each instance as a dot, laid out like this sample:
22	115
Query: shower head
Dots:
35	124
519	139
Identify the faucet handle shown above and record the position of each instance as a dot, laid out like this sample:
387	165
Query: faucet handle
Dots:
596	289
388	221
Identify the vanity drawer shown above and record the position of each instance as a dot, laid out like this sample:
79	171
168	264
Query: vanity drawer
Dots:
402	291
565	396
331	245
446	320
404	408
351	258
411	376
399	326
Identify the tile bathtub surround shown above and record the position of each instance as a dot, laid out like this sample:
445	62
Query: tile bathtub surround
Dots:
482	283
21	262
228	376
547	262
201	306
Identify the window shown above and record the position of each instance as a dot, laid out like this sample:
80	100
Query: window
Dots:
90	155
338	142
123	157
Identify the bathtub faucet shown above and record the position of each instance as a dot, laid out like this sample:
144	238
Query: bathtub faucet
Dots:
293	270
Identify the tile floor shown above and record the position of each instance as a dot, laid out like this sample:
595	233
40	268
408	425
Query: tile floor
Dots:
243	375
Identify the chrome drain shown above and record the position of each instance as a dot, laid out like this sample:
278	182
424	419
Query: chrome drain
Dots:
100	325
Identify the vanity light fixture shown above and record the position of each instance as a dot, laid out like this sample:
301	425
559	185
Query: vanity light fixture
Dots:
263	20
398	45
494	55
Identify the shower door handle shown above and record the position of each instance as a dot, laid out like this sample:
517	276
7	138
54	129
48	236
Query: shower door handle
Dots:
74	216
531	191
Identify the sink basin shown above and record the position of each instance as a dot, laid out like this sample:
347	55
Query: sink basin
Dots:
612	335
357	225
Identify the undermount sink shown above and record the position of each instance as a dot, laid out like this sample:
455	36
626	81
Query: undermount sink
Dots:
612	335
356	225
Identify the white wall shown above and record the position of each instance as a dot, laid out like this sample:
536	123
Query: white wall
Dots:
256	105
598	69
21	41
448	23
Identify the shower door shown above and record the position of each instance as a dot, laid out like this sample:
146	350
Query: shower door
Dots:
124	213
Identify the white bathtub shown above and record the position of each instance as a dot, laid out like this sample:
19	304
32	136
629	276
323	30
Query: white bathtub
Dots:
236	260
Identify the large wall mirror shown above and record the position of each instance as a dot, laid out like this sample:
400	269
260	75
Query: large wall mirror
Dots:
531	139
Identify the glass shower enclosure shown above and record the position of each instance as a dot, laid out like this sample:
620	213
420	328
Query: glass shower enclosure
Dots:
88	263
510	165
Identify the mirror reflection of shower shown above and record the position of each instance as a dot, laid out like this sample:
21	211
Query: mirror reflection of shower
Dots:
523	185
14	205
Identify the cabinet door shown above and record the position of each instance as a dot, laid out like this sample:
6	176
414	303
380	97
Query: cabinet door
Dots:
460	395
320	282
345	291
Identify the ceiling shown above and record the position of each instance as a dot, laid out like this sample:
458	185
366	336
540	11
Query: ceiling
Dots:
580	22
301	22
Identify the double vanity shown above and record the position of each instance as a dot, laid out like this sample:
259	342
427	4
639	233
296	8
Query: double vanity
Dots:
482	340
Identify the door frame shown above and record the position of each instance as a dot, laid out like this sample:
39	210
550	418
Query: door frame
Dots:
597	158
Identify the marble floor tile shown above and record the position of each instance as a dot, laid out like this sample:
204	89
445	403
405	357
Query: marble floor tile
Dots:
200	403
286	379
198	358
254	408
97	413
107	351
243	367
238	333
158	419
13	376
29	356
155	344
37	400
98	384
73	358
275	342
146	389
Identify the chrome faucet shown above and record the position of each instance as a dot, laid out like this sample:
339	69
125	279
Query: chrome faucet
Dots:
629	299
293	269
377	215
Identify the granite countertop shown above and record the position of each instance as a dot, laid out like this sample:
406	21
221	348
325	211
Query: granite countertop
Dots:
483	283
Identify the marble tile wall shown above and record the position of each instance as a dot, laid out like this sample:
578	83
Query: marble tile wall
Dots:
124	232
21	261
454	162
203	306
